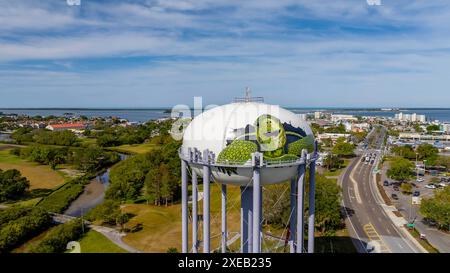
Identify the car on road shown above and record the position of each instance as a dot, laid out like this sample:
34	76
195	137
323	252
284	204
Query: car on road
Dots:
386	183
373	161
430	186
394	196
396	188
416	193
420	179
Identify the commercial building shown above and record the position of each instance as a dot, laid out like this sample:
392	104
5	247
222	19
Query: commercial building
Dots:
333	137
336	118
66	126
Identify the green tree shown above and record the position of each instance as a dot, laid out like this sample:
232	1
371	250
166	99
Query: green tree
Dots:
153	186
406	188
400	169
427	152
404	151
343	148
328	198
418	128
58	238
276	204
438	208
433	127
107	212
12	184
332	161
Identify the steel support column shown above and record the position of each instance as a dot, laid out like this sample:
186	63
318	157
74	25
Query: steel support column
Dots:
194	212
224	218
301	205
246	219
184	207
206	203
256	210
293	224
312	205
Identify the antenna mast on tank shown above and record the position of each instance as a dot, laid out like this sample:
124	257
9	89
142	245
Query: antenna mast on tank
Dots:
248	97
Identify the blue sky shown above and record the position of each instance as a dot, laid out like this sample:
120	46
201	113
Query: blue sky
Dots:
306	53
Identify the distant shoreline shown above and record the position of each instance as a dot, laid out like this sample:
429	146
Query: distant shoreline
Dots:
387	109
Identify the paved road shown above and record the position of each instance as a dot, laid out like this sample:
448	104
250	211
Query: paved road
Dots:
110	233
366	218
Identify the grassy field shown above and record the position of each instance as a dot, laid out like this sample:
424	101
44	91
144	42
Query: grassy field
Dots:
135	148
40	176
162	225
95	242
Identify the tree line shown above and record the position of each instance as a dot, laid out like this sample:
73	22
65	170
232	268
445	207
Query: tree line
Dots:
88	159
154	177
44	136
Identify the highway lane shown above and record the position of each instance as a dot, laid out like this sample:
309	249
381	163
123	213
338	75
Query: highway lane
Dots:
367	220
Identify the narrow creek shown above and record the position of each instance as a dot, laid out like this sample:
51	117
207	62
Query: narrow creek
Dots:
93	194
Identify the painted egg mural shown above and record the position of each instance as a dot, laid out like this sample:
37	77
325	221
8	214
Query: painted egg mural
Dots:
234	131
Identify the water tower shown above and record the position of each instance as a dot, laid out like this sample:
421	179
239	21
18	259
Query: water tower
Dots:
248	144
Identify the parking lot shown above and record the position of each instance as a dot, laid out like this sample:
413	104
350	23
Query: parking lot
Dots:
411	212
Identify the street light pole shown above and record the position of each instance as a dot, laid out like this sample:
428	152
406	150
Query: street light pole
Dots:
417	167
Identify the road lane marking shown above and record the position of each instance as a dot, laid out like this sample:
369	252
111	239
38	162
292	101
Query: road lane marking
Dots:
355	185
373	235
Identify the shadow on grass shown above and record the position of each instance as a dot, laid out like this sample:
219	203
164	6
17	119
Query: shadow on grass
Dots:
335	244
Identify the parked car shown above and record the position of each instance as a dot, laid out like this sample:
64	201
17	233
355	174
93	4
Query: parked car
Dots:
429	222
386	183
373	161
396	188
416	193
430	186
443	184
420	179
394	196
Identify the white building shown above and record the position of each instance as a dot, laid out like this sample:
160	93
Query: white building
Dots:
317	115
445	127
411	117
332	136
336	118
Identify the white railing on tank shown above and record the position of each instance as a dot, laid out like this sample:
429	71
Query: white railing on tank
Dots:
195	156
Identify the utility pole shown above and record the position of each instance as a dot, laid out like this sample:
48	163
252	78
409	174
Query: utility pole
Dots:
417	167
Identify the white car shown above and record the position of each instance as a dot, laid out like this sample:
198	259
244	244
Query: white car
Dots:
430	186
420	179
443	184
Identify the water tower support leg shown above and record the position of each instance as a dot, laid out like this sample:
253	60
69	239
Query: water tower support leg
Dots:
312	208
300	208
292	226
246	219
224	218
206	210
194	212
256	211
184	207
